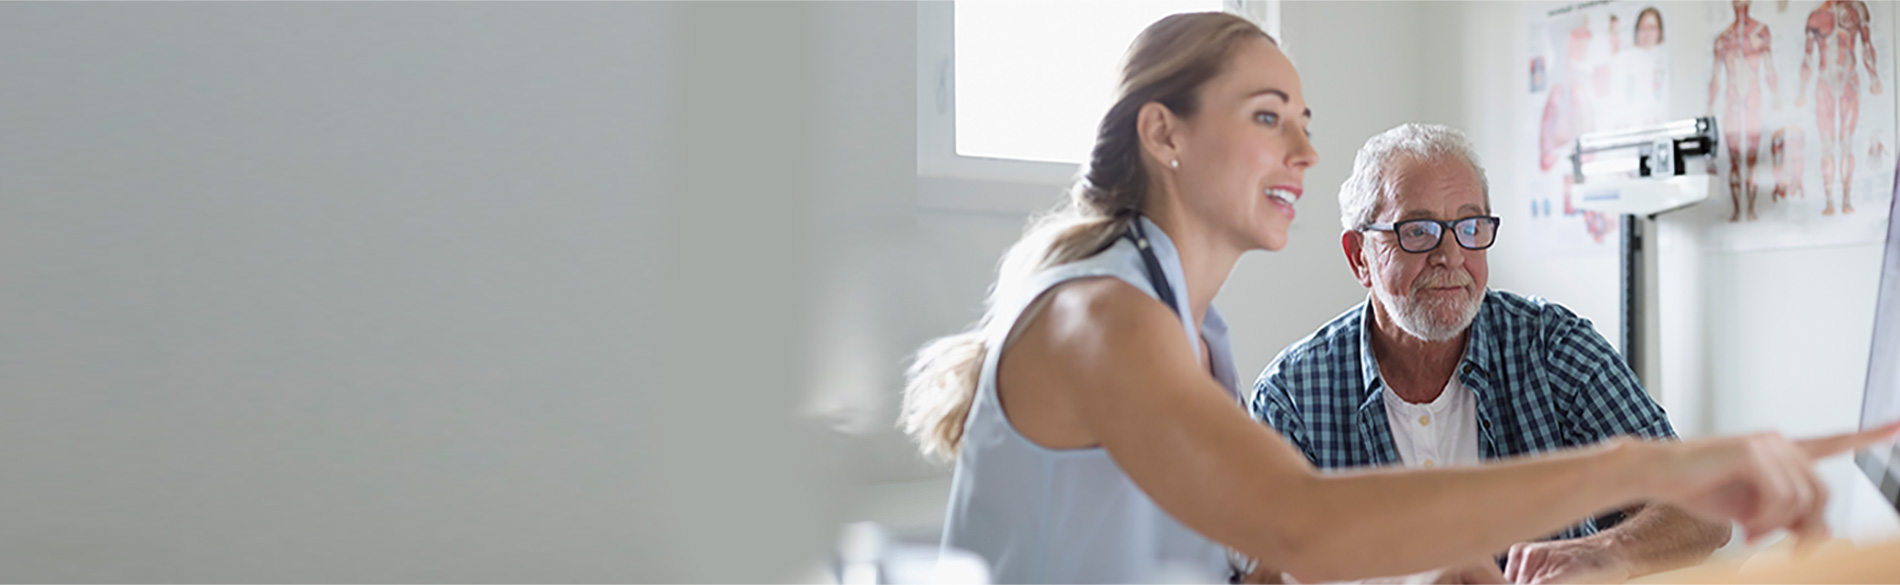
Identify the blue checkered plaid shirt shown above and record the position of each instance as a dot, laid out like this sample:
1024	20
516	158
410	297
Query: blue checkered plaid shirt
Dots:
1543	378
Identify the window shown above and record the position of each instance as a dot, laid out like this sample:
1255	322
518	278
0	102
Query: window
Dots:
1011	92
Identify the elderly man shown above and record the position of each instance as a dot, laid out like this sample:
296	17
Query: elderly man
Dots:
1434	369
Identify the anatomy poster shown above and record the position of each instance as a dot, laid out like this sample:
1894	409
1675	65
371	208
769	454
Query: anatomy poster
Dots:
1803	95
1594	67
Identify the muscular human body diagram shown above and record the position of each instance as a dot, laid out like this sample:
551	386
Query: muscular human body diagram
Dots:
1742	59
1786	150
1835	31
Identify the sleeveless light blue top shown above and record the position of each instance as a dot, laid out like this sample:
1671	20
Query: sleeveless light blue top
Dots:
1039	515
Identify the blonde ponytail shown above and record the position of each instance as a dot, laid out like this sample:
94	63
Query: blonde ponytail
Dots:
941	388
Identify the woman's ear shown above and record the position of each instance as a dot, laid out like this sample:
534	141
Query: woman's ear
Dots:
1160	133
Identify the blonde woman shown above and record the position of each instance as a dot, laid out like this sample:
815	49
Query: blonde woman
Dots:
1092	412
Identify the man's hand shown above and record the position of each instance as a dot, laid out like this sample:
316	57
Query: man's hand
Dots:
1566	561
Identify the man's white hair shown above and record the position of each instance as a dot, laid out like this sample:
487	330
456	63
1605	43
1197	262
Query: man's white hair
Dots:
1359	196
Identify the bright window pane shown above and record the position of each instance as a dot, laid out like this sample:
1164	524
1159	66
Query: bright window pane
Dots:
1035	77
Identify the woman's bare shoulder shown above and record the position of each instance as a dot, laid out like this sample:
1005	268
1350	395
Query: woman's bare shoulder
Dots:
1088	323
1074	342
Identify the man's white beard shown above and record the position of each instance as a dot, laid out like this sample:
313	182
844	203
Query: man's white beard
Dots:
1418	319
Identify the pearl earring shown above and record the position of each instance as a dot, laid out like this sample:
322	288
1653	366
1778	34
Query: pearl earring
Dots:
1176	163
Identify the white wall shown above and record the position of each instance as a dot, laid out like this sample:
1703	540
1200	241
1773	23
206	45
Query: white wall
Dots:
491	292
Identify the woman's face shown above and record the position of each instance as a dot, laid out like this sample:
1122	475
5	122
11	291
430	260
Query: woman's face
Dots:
1648	30
1243	156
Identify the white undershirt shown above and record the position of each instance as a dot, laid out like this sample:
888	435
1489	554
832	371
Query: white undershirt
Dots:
1438	433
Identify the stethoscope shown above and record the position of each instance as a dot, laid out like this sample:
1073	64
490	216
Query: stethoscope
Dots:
1238	566
1139	236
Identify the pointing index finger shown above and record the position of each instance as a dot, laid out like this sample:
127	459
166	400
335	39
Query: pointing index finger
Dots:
1822	447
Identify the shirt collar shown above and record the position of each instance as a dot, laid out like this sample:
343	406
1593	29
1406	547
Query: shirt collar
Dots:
1368	364
1482	344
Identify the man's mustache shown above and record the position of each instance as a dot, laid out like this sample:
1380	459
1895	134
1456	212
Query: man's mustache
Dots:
1441	279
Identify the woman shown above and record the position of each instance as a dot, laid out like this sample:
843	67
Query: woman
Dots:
1094	442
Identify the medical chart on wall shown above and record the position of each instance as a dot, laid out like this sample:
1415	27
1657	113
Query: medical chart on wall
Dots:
1594	67
1803	96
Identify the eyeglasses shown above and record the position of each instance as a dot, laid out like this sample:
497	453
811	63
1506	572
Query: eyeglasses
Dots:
1424	235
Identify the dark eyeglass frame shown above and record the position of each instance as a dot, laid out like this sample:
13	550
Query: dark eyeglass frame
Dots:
1442	226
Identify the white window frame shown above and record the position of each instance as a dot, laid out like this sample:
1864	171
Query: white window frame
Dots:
952	182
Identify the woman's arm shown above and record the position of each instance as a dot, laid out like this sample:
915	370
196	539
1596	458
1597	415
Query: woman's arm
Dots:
1140	394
